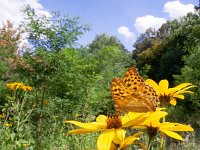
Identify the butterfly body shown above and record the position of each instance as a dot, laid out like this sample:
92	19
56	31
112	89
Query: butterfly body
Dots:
131	94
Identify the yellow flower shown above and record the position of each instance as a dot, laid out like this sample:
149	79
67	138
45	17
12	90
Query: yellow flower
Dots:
7	124
153	126
122	145
112	127
25	145
3	116
18	85
26	88
14	85
169	95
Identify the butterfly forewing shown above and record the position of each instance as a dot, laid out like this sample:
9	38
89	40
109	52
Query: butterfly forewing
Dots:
133	80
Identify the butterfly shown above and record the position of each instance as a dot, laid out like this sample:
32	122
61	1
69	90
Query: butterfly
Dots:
131	94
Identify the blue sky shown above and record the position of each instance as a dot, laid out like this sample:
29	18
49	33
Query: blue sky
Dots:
125	19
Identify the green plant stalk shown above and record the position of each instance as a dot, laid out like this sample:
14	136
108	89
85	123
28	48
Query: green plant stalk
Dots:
162	138
18	116
149	143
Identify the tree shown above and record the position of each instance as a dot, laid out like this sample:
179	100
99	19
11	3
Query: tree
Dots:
109	59
105	40
9	50
54	68
54	32
163	51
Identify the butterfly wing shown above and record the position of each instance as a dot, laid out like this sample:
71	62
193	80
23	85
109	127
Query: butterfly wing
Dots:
134	81
127	99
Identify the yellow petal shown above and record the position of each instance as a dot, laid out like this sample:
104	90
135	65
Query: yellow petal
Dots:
132	119
163	86
173	101
175	127
105	139
90	125
119	136
172	134
101	119
156	116
171	91
83	131
184	90
128	141
179	96
153	84
183	85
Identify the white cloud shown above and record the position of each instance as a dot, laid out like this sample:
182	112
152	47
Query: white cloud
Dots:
148	21
176	9
123	30
11	10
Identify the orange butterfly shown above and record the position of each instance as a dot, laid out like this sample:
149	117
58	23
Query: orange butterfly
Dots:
132	94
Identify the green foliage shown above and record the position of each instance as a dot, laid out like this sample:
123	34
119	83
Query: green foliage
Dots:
9	40
164	49
172	52
109	59
69	81
73	82
15	125
52	32
191	73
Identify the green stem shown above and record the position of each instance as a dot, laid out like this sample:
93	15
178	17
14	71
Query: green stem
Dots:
162	138
149	143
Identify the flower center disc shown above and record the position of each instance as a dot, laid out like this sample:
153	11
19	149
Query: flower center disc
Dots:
114	121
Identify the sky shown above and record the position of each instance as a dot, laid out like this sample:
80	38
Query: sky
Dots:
125	19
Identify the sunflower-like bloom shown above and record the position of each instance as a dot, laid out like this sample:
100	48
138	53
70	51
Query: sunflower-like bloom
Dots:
26	88
154	126
112	128
169	95
14	85
18	85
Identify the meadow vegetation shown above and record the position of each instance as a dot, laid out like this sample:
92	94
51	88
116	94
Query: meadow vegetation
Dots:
54	79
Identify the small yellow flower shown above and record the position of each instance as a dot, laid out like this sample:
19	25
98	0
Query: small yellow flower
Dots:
18	85
3	116
26	88
14	86
112	128
25	145
7	124
169	95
